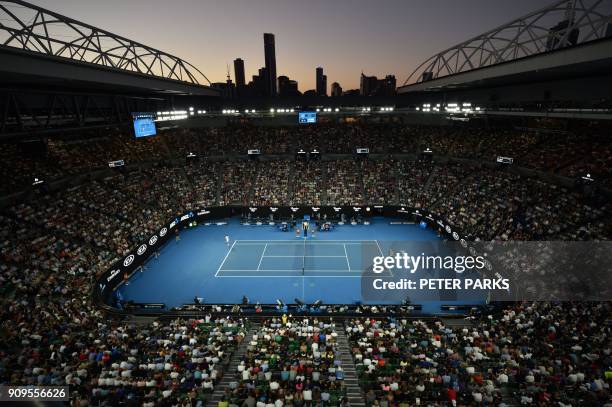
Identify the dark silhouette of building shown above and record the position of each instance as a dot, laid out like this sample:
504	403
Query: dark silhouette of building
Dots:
310	93
389	85
351	92
321	82
259	85
270	58
336	90
367	84
372	86
287	87
239	76
227	88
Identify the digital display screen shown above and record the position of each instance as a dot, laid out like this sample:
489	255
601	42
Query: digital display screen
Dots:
144	126
307	117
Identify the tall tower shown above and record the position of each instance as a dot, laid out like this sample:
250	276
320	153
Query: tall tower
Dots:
270	58
239	73
321	82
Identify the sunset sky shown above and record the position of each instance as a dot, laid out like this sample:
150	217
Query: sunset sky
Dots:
344	36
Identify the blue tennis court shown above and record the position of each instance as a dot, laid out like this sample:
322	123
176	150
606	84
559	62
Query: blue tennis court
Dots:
266	264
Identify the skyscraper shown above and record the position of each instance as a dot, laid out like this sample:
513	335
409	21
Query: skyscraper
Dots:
321	82
372	86
336	89
239	73
287	87
270	58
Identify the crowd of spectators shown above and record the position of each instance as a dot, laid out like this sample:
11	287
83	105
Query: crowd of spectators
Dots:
272	183
344	183
380	181
529	354
290	362
204	179
308	185
565	152
53	244
412	177
237	182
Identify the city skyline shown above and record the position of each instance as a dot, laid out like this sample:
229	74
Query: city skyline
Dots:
344	37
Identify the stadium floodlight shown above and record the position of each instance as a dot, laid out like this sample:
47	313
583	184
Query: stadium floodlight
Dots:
272	110
292	110
191	108
337	110
318	110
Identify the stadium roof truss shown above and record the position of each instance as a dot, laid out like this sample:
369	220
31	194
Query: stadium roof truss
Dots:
562	24
31	28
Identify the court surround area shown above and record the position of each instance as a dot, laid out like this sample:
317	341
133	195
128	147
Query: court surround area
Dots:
266	264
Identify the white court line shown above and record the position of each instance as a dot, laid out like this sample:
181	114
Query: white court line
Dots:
296	270
303	256
225	258
347	260
262	256
296	275
293	276
301	242
383	255
379	249
365	243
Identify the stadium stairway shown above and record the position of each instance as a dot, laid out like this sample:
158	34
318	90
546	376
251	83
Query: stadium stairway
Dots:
291	178
508	399
229	371
396	176
252	183
351	381
323	185
432	176
361	184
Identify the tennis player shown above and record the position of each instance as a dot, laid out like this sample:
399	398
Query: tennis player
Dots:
227	240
